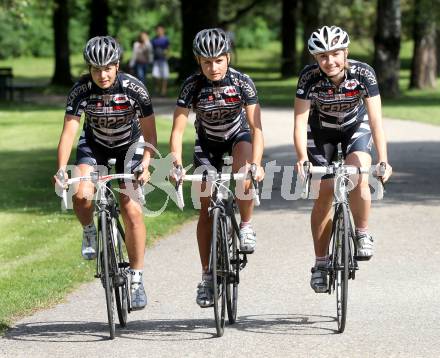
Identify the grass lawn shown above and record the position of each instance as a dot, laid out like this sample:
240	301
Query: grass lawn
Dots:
40	257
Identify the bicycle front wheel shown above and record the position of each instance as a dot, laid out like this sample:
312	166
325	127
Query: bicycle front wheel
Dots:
234	271
121	280
219	270
341	265
105	273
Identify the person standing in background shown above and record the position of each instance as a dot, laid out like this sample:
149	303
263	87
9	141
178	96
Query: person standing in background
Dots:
142	56
160	65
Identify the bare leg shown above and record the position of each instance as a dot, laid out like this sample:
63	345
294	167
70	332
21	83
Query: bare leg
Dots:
360	197
82	200
204	233
321	220
242	154
135	231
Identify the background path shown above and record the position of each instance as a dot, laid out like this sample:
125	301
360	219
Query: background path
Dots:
393	303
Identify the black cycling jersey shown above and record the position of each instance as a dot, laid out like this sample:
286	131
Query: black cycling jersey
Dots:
111	115
219	105
337	107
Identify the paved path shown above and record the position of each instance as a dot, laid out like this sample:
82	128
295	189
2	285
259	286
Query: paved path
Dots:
393	304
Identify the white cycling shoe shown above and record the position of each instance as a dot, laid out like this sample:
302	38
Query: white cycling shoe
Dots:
318	281
248	240
364	247
88	247
138	296
205	294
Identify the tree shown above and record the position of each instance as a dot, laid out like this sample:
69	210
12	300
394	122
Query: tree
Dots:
387	46
60	21
438	49
200	14
310	21
424	61
196	15
99	11
288	38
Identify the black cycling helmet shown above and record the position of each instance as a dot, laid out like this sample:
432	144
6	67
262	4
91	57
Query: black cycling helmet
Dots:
211	43
101	51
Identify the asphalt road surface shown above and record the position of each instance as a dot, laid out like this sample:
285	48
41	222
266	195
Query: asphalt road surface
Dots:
393	308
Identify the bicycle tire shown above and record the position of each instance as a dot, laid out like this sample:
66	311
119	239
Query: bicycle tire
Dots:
342	266
105	271
218	271
234	271
121	287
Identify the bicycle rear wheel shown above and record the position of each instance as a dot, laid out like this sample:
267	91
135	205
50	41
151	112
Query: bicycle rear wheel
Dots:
234	271
105	273
219	270
121	281
341	265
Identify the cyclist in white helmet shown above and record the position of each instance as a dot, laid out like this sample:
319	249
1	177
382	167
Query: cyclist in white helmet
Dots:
338	101
227	121
118	114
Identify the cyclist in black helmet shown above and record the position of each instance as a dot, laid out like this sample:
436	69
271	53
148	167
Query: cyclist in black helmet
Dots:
118	114
227	121
338	101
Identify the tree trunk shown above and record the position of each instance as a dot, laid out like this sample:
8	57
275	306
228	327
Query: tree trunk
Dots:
60	23
310	20
424	61
99	11
386	61
288	38
437	40
196	15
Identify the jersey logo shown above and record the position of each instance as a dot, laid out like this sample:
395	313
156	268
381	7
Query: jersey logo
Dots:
351	84
125	83
230	91
352	93
118	99
232	100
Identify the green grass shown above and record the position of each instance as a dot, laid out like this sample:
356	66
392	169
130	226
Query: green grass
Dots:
40	247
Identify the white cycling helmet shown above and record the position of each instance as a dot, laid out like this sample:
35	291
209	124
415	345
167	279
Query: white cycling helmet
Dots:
327	39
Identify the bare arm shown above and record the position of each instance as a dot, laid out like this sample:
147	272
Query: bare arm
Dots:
253	114
302	110
148	128
71	124
374	109
179	123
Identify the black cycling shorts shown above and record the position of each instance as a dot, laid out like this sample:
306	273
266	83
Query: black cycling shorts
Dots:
93	154
210	153
322	143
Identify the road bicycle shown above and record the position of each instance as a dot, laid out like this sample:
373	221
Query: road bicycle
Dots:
226	261
111	264
343	263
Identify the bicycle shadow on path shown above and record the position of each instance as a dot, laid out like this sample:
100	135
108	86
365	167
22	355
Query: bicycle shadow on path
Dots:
168	330
81	331
287	324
